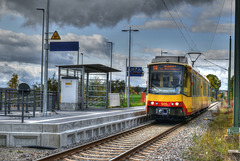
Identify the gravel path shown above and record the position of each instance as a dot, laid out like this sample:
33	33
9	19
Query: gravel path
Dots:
171	150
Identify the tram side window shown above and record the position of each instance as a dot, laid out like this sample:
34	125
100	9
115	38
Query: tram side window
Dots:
204	89
187	83
194	85
208	90
198	84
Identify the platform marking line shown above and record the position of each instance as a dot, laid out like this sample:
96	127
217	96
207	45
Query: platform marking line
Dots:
74	116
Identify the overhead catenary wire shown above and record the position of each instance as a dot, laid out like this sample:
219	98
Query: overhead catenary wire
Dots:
185	27
216	64
177	24
206	59
216	26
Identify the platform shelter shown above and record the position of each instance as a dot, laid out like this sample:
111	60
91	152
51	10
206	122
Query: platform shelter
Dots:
83	86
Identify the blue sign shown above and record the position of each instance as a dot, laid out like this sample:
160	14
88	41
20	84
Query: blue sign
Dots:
135	72
64	46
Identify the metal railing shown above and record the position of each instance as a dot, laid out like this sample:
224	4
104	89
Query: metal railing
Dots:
12	103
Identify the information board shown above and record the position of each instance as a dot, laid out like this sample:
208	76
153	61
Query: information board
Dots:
136	72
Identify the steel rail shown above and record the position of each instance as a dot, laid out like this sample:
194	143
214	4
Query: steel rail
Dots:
132	151
125	154
91	144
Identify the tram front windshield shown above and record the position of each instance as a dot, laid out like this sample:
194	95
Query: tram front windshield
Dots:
165	79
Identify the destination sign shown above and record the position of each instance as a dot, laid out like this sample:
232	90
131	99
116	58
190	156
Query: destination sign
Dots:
168	67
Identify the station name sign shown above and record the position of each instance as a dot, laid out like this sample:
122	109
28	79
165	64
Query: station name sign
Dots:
64	46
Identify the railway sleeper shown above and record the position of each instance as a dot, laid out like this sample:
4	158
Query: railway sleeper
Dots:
120	141
95	155
113	148
149	150
139	156
143	153
123	145
135	159
116	150
66	159
83	158
104	152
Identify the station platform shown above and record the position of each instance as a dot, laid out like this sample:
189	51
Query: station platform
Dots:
61	128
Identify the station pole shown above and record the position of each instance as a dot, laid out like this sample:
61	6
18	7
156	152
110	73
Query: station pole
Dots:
129	62
236	67
229	71
235	127
45	92
110	89
126	81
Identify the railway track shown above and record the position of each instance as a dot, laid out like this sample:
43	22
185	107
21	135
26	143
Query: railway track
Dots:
129	145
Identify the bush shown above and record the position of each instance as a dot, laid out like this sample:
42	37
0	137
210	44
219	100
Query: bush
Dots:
214	144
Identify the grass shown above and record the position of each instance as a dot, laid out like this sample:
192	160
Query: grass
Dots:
135	100
215	143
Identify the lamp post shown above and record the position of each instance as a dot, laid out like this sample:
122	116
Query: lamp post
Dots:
82	58
43	10
129	65
111	67
45	91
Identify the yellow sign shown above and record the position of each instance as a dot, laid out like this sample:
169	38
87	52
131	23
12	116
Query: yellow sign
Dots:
68	83
55	36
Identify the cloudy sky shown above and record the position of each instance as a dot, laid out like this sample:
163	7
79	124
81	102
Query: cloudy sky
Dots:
173	26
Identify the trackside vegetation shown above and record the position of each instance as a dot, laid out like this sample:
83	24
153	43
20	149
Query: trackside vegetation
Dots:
215	143
135	100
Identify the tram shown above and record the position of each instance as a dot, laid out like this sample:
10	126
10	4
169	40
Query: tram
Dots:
175	90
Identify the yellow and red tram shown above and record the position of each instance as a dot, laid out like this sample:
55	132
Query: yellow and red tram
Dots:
175	90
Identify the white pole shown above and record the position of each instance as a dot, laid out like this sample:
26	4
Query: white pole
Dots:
126	82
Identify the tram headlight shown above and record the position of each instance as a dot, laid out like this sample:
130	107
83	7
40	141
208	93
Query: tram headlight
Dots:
152	103
177	103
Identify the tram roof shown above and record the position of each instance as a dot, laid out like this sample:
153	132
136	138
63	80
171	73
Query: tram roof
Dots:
90	68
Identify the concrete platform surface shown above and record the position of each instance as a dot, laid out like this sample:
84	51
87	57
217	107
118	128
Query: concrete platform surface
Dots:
64	116
61	128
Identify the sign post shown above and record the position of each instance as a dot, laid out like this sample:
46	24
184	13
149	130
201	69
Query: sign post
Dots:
23	89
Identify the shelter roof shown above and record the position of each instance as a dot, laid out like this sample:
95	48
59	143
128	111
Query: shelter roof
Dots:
91	68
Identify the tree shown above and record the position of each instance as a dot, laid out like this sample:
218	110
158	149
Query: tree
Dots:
37	86
215	83
13	82
118	86
53	83
137	89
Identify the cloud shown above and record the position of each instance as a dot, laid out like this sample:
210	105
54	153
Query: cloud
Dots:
103	13
211	26
211	19
21	54
19	47
157	24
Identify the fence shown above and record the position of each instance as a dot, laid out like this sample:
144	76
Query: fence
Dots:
11	102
